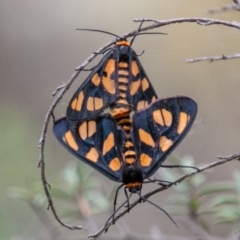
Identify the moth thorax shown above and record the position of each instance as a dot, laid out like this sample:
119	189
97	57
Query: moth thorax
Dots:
124	52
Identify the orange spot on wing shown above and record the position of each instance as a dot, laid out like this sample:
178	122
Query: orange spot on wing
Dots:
94	103
146	138
91	128
108	83
98	103
70	140
153	99
165	143
96	79
167	116
87	129
145	84
90	105
134	87
82	131
92	154
108	143
77	102
142	104
158	118
74	103
115	164
145	160
134	67
183	119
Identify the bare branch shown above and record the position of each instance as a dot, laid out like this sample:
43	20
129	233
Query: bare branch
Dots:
200	21
162	188
213	58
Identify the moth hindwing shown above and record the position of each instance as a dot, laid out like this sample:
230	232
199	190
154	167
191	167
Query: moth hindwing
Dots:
95	142
158	129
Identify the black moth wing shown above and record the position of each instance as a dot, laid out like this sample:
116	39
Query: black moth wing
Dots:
101	89
145	93
158	129
91	98
94	142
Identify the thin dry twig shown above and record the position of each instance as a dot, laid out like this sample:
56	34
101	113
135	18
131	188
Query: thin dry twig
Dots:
213	58
202	21
60	91
221	161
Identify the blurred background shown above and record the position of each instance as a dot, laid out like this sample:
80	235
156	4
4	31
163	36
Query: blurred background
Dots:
40	49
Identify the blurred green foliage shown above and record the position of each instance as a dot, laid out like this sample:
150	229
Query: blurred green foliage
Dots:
18	149
223	198
81	193
78	187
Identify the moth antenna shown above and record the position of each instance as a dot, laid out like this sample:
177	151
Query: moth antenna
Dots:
149	33
139	55
136	34
145	33
96	30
